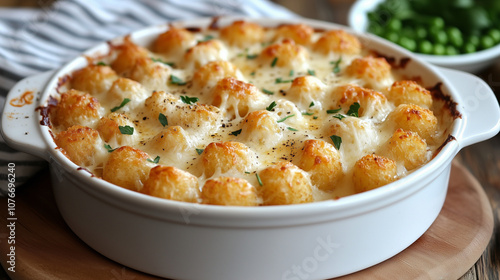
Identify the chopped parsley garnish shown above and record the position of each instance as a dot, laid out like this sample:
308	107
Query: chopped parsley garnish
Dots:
206	38
333	111
315	117
291	73
339	116
311	72
273	63
199	151
252	56
258	179
236	132
100	63
307	114
176	80
354	109
271	106
124	102
287	117
267	91
292	129
246	172
163	119
311	104
252	74
336	141
281	81
189	100
108	147
171	64
127	130
156	160
336	65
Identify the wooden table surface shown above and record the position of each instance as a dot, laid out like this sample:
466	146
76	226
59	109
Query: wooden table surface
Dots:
482	159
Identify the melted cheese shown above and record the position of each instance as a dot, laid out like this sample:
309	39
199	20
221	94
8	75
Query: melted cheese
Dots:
300	115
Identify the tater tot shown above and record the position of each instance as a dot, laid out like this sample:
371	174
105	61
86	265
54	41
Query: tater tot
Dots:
128	54
199	116
75	107
414	118
174	41
235	96
306	89
127	167
369	100
229	191
338	41
209	74
204	52
260	127
79	144
160	102
125	88
407	147
299	33
171	183
322	161
284	54
152	75
373	71
170	139
372	171
409	92
285	183
94	79
109	127
242	33
224	156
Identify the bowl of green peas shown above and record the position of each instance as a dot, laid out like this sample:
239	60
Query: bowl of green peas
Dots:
459	34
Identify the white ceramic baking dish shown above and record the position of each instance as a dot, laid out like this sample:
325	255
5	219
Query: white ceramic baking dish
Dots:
309	241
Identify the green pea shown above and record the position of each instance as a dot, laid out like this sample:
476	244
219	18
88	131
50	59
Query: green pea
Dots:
421	32
455	36
495	34
425	47
469	48
486	42
408	43
474	40
451	50
439	49
376	29
392	36
394	24
437	22
439	36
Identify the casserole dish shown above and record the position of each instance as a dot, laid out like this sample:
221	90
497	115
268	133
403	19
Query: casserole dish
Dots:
192	241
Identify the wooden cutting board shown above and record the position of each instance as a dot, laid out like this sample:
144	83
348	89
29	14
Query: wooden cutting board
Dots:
47	249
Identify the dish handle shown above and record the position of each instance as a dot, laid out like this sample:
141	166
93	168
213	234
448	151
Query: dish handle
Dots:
20	119
480	109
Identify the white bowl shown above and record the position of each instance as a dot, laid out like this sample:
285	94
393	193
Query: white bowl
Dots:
190	241
472	63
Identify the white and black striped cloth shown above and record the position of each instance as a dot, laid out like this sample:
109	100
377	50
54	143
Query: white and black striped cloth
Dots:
38	40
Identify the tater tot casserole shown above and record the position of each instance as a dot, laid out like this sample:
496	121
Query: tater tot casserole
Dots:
248	115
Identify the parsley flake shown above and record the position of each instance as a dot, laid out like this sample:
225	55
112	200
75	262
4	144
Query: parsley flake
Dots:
258	179
311	104
307	114
108	147
354	110
176	80
206	38
271	106
311	72
189	100
291	73
268	92
127	130
252	56
287	117
337	140
292	129
155	161
101	63
124	102
339	116
163	119
199	151
281	81
336	65
171	64
315	117
236	132
273	63
333	111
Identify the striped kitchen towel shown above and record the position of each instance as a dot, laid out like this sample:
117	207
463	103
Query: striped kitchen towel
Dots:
38	40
